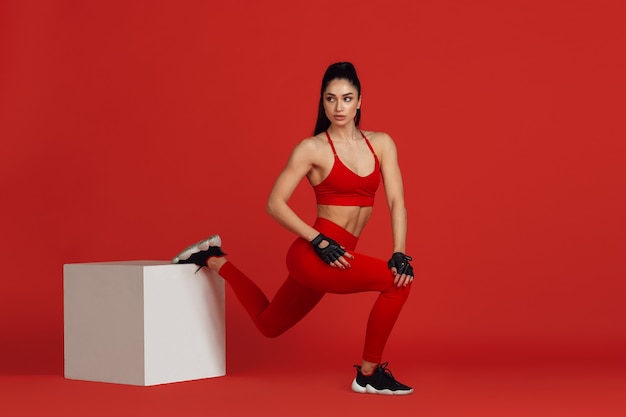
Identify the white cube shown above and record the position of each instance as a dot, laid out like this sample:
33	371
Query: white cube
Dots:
143	322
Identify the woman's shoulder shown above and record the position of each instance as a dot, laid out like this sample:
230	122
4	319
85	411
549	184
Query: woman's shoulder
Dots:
311	147
312	143
378	139
376	135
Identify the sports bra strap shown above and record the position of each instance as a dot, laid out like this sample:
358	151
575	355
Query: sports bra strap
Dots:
368	143
331	143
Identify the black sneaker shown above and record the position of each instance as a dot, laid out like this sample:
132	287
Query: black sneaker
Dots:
199	252
380	382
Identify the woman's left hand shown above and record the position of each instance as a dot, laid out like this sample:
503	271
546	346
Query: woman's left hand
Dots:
401	269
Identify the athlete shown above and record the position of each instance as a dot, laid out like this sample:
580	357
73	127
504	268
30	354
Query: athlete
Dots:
344	165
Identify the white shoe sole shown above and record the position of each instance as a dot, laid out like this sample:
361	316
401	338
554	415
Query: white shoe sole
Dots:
213	240
368	389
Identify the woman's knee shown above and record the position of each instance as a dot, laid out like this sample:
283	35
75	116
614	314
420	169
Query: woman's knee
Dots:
271	333
401	293
271	330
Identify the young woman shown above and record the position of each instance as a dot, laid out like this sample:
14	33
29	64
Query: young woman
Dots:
344	165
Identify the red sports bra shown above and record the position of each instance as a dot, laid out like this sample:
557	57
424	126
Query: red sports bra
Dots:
343	187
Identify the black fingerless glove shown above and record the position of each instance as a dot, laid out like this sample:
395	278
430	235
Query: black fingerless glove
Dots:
330	253
401	262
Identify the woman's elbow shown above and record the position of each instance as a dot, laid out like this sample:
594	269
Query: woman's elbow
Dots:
396	204
272	207
269	208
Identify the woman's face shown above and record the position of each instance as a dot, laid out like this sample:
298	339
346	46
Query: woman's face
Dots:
341	101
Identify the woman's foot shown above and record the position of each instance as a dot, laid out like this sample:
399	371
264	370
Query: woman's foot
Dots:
200	252
379	382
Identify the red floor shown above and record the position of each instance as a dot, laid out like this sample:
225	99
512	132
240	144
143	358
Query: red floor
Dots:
542	389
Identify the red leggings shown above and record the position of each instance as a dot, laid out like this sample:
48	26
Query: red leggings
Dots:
310	278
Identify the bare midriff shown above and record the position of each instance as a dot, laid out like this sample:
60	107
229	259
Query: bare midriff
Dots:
351	218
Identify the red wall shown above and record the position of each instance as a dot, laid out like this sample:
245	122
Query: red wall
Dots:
130	129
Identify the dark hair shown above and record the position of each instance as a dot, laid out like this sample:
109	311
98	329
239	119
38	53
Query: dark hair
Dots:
341	71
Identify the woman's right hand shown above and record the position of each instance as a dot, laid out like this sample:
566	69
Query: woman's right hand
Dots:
331	252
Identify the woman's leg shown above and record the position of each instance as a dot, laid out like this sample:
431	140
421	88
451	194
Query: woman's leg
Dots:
290	304
365	274
310	278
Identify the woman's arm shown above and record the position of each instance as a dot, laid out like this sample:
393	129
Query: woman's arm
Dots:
299	164
394	191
